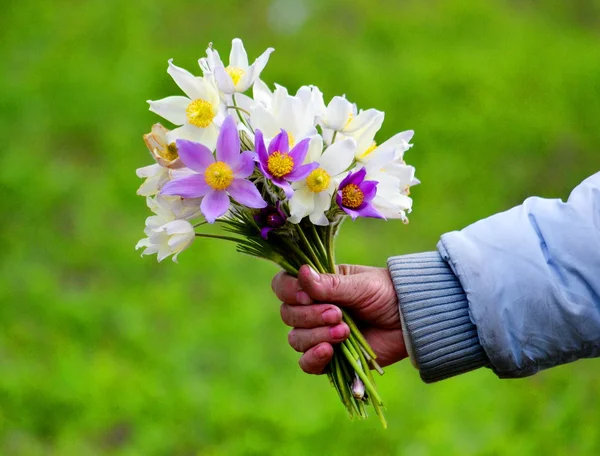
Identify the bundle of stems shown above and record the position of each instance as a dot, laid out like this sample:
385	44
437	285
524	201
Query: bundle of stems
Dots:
294	245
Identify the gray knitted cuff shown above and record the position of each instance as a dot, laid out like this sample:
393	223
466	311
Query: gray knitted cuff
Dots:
435	311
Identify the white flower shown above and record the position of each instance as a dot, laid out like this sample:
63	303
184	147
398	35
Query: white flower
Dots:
312	196
168	239
392	198
200	113
278	110
168	230
367	148
343	116
156	176
238	76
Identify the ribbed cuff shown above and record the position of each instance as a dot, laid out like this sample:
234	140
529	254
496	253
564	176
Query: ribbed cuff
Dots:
435	313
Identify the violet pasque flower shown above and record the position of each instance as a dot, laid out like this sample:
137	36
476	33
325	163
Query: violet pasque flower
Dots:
281	165
270	218
218	179
355	194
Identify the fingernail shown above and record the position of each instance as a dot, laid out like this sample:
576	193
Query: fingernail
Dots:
315	275
331	316
303	298
338	332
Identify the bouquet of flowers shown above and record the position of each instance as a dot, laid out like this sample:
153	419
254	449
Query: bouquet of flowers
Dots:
279	173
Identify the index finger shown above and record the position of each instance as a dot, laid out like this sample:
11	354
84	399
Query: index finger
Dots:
286	288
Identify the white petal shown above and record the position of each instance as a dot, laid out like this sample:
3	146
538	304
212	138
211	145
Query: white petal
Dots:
171	108
315	149
338	113
364	120
263	120
148	171
262	94
338	157
238	56
206	136
322	204
224	81
301	204
185	80
253	72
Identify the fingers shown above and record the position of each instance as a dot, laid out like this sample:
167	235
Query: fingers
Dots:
310	316
315	360
287	289
302	340
338	288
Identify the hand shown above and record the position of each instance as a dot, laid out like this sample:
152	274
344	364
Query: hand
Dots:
310	306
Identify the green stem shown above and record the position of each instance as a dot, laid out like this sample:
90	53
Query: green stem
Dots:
238	109
368	385
224	238
358	334
330	253
310	250
319	245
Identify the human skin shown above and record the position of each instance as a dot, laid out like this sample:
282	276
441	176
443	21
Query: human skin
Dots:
311	306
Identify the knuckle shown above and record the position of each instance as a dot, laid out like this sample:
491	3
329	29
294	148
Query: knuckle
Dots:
293	340
335	282
285	313
343	269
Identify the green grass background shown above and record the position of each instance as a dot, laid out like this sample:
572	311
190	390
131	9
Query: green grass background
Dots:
102	352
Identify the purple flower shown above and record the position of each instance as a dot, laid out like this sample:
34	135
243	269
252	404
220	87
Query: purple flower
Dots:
218	179
270	218
355	194
279	164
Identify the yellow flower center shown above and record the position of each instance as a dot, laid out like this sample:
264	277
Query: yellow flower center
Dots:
352	196
169	153
318	180
279	164
369	150
236	74
200	113
219	175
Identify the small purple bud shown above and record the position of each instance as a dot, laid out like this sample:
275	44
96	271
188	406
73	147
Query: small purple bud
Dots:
358	388
275	220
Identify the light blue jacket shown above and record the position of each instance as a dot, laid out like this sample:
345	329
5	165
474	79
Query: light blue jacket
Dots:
517	292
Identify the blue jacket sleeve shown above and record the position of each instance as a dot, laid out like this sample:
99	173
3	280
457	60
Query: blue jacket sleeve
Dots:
531	277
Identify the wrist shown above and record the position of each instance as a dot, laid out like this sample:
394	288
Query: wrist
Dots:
439	335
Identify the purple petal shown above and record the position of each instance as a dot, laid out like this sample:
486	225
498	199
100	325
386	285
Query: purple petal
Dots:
243	165
369	189
338	198
194	155
299	151
264	232
300	172
228	143
259	141
193	186
287	188
352	213
357	177
245	193
368	210
214	205
280	143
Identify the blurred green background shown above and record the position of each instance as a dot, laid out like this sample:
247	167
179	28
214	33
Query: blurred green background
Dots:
102	352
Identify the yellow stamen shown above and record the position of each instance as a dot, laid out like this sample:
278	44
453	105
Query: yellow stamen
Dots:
350	117
318	180
169	153
219	175
279	164
200	113
352	196
236	74
369	150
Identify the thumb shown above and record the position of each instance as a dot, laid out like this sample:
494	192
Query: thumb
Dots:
333	288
